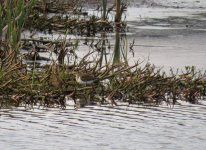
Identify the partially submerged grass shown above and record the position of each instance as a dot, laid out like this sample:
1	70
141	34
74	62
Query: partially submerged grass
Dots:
46	17
50	85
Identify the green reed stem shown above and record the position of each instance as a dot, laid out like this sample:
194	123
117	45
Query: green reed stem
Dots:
118	11
116	58
104	9
12	19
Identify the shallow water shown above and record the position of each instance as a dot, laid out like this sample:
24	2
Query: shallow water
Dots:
94	127
169	33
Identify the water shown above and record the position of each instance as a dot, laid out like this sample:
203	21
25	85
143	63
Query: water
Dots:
169	33
94	127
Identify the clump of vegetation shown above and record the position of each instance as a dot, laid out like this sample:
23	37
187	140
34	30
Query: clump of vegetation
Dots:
67	15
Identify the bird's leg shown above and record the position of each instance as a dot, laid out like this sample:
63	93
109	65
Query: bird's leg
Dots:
111	98
102	94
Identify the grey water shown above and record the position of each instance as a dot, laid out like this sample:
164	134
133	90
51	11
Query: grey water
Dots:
167	33
123	127
170	33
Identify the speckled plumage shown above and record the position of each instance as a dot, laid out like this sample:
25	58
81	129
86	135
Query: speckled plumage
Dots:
86	79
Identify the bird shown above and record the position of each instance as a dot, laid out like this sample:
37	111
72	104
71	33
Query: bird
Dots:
86	79
89	78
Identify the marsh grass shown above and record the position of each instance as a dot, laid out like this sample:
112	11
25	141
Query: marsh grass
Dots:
119	53
13	16
74	20
104	9
118	11
117	48
50	86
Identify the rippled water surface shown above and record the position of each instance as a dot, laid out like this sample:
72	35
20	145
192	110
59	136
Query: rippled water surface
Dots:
94	127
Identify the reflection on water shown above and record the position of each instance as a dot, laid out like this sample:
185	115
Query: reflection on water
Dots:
93	127
167	35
